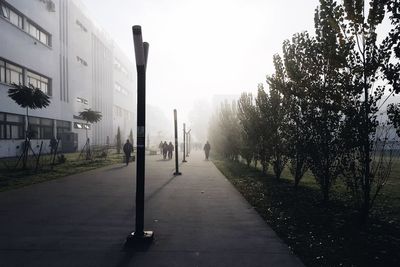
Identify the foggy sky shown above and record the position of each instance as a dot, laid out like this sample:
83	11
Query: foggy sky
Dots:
199	48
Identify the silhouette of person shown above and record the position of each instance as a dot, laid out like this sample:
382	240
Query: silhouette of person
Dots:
170	150
165	149
160	146
53	145
207	149
128	149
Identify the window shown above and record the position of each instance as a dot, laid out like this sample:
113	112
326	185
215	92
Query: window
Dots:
42	128
39	81
82	61
121	89
62	127
83	28
12	16
11	126
82	100
120	67
2	71
16	18
38	33
79	125
13	74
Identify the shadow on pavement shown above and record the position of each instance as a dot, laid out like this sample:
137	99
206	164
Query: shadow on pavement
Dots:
117	168
129	253
155	192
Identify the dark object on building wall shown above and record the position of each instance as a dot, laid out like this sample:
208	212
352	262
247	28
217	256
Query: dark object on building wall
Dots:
69	142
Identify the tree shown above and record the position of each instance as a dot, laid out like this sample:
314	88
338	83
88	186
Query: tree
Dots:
224	131
247	115
392	68
393	112
297	63
276	118
326	95
369	68
119	141
229	125
131	137
264	131
28	98
90	116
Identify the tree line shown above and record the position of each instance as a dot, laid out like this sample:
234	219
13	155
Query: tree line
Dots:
321	110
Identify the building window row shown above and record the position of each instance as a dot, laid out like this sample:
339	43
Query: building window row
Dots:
11	73
120	89
12	126
83	28
15	17
82	61
11	15
80	125
82	100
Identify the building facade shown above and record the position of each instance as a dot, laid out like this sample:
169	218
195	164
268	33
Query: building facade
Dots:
53	45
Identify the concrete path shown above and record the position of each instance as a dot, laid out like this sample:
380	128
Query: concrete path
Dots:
199	219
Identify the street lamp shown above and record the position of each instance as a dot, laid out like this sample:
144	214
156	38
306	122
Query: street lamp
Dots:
140	237
176	143
184	143
188	143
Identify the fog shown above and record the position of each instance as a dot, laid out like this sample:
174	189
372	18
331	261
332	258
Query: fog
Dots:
199	49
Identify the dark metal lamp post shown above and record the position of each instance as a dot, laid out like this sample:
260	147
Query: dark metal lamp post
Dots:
184	143
140	237
176	144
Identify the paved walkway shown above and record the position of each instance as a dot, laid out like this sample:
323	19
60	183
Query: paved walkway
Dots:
199	219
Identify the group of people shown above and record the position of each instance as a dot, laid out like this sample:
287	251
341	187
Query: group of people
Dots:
166	149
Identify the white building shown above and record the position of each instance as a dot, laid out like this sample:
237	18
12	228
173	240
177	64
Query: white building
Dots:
54	45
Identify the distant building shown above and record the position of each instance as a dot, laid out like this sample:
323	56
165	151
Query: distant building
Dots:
55	46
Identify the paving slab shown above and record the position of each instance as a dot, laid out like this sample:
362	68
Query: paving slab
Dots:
199	219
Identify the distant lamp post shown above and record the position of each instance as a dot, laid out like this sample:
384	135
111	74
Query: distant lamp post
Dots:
140	237
184	143
176	144
188	143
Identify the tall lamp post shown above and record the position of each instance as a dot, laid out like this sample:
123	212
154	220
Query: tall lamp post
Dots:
188	142
184	143
141	52
176	144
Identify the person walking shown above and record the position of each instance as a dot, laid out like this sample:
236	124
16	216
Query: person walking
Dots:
53	145
207	149
128	149
165	150
170	150
160	146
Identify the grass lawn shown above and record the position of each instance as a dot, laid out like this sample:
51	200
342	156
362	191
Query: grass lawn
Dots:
322	235
11	177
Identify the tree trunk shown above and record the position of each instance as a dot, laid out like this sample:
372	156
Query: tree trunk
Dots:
27	140
366	182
